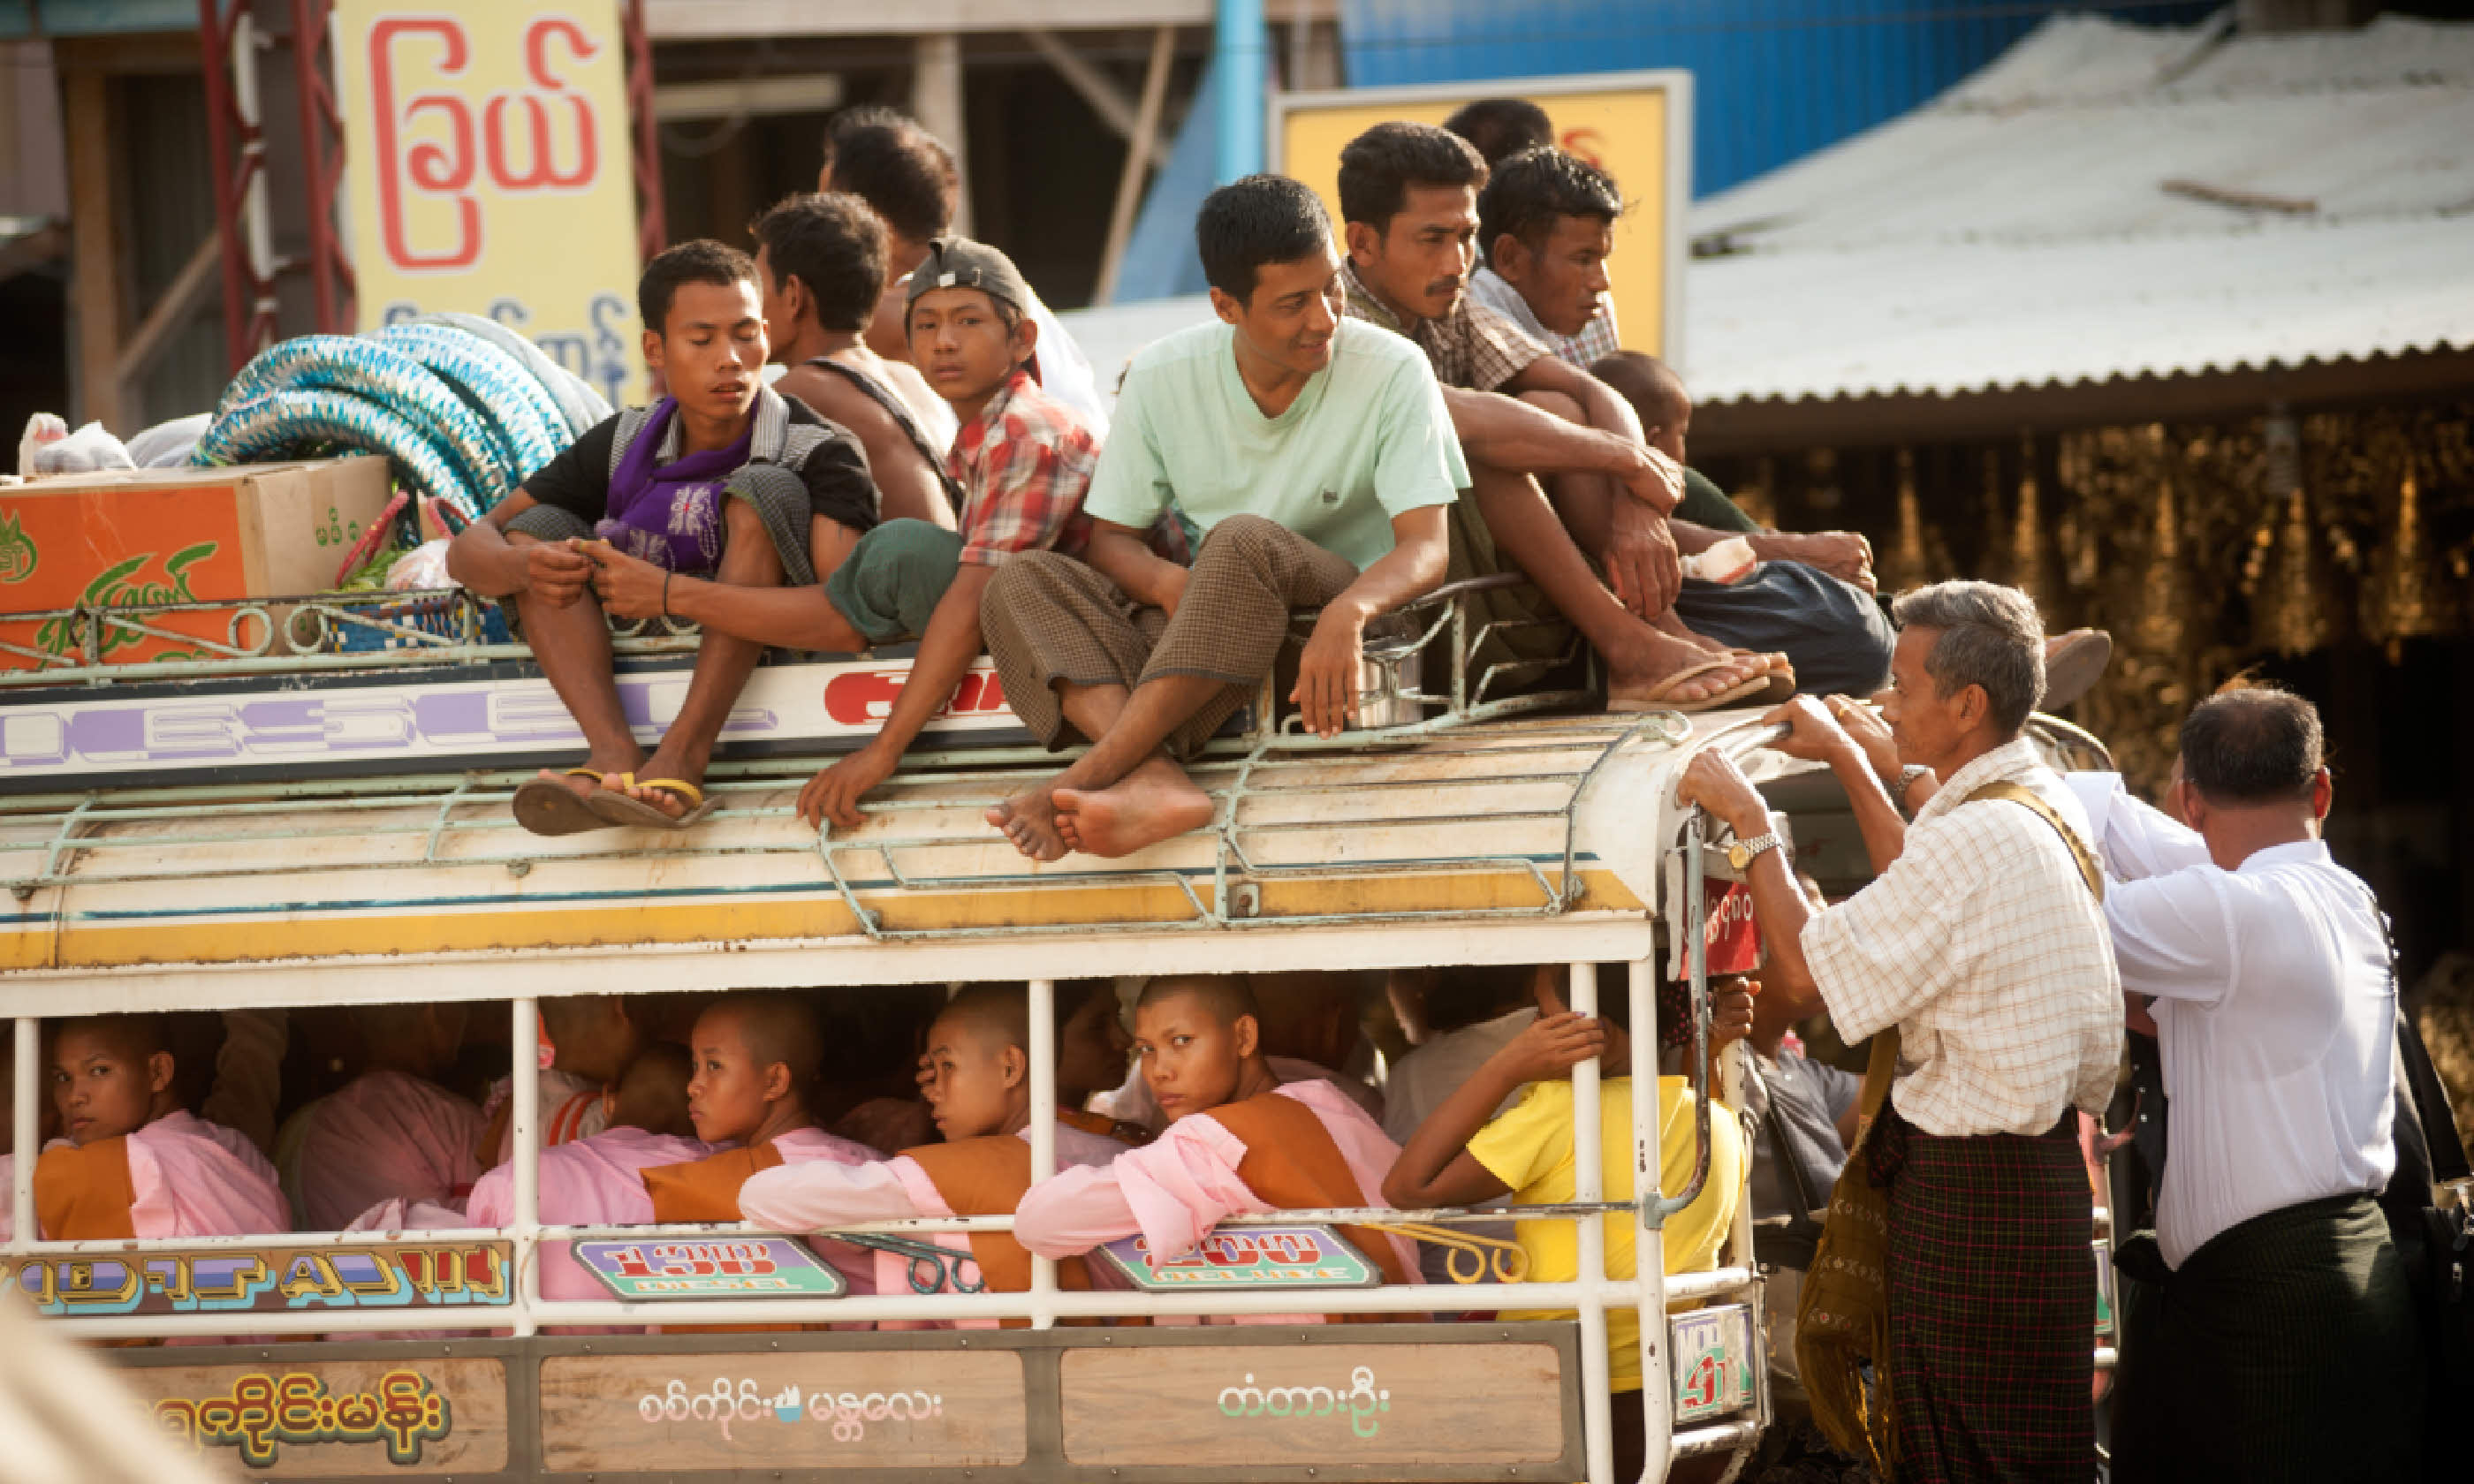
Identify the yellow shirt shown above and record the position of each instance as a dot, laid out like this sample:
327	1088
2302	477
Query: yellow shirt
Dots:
1530	1149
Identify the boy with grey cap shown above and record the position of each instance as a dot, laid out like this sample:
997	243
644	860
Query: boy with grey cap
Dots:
1021	460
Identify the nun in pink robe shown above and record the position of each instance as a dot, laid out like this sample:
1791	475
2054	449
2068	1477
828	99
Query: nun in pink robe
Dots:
1173	1190
593	1182
190	1178
384	1136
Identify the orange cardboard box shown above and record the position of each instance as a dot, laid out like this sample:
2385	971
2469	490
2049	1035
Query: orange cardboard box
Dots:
174	536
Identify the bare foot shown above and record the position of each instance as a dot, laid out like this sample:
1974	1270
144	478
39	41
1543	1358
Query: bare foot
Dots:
582	785
662	764
1155	802
1638	676
1029	821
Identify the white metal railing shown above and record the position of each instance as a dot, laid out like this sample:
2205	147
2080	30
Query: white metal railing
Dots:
1650	1292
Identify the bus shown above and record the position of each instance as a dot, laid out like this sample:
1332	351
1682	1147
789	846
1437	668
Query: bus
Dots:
307	824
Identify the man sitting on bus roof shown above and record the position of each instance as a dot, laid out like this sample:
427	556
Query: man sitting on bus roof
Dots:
977	1083
1316	455
821	260
722	477
1564	484
1239	1142
1020	466
908	177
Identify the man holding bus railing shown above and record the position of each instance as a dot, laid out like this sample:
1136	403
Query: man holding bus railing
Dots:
1981	942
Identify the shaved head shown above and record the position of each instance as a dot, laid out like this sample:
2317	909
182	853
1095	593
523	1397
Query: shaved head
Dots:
1225	998
134	1035
775	1026
997	1015
652	1094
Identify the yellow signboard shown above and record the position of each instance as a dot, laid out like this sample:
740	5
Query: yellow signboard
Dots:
1636	126
488	169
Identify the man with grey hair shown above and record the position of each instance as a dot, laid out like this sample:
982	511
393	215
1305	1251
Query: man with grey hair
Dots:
1982	943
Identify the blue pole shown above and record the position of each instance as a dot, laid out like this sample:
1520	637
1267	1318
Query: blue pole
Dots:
1237	47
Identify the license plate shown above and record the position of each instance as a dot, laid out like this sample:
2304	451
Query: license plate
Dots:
1253	1258
2104	1289
1714	1359
733	1267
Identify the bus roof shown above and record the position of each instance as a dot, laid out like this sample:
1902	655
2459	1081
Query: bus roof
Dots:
1513	841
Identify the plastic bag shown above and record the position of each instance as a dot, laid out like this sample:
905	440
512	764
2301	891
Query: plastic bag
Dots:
1729	560
423	567
167	445
82	452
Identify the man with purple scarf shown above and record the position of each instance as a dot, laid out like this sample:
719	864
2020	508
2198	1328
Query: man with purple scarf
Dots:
722	479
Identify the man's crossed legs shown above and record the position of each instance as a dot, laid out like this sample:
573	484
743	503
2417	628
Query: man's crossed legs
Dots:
1147	688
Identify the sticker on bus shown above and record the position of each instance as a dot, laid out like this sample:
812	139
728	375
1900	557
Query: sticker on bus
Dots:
1713	1360
1253	1258
271	1279
731	1267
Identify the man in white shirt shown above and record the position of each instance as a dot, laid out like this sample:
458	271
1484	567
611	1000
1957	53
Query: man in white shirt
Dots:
1982	941
2282	1346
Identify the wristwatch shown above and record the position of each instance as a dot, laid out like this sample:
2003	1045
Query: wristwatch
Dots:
1743	852
1907	777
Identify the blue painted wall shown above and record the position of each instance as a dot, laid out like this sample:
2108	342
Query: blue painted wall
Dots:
1774	80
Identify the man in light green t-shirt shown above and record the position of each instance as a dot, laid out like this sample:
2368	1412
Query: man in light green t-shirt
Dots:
1318	458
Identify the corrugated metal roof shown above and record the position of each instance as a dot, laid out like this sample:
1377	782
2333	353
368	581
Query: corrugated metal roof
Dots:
2063	217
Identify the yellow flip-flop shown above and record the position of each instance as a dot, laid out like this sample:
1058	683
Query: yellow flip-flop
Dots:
616	806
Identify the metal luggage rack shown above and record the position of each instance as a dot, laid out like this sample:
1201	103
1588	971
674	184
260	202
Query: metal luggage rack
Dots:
311	634
284	636
1237	878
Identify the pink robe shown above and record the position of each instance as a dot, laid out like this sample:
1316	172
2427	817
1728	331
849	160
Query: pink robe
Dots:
570	1109
190	1178
1175	1189
591	1182
382	1136
812	1196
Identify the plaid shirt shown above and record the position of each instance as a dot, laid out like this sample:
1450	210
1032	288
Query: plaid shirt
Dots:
1473	346
1596	341
1982	944
1025	464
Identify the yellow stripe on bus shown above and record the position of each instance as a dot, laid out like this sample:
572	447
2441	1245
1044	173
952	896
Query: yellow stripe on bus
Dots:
551	926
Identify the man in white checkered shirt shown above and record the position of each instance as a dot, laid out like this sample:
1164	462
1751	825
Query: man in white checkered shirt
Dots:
1984	942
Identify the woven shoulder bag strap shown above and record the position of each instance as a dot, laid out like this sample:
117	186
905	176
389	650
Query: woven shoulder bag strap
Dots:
2020	793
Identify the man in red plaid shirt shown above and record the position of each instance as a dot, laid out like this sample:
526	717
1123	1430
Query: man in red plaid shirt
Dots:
1022	459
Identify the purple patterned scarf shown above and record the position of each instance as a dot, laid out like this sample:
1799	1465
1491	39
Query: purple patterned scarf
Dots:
670	515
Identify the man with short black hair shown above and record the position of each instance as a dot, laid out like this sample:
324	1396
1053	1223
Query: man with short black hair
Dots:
906	176
1315	453
1545	225
2268	971
1981	939
1500	128
821	262
723	477
1564	484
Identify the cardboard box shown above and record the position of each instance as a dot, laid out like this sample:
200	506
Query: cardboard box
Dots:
174	536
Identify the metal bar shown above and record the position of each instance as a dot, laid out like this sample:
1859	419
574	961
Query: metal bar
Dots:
438	825
25	1128
1649	1236
1590	1184
1696	961
1042	1011
523	1146
1395	1299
